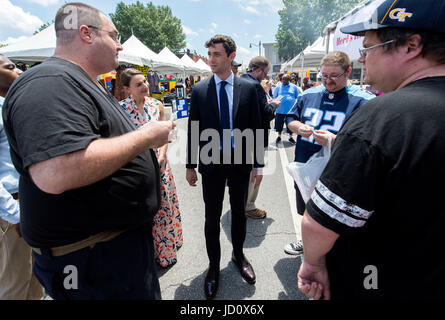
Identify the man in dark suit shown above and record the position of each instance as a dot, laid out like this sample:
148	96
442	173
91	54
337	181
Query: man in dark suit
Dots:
221	107
258	69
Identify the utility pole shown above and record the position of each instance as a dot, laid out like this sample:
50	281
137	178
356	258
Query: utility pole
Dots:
256	45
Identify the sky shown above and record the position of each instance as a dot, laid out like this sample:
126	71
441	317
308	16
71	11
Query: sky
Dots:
246	21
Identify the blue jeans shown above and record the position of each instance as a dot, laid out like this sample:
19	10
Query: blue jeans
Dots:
120	269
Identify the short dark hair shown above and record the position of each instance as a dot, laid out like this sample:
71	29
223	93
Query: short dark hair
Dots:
228	43
258	62
433	42
127	75
85	14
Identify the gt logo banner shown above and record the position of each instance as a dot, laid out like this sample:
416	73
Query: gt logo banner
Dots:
400	14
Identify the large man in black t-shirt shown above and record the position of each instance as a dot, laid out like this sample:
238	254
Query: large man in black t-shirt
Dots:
89	183
373	228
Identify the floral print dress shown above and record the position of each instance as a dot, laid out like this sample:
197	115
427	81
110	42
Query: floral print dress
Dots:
167	227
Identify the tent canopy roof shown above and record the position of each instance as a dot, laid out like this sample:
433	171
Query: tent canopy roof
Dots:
191	66
312	55
33	49
42	45
204	66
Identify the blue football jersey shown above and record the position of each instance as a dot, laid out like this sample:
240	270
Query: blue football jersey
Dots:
324	110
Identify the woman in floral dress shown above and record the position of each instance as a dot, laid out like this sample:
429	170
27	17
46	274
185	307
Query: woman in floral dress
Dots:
167	228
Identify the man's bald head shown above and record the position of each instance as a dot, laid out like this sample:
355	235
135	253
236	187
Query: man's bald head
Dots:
73	15
286	79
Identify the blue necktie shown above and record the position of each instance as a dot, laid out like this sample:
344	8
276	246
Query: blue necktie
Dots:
224	109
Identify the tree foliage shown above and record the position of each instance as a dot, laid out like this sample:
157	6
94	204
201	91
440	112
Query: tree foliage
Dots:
154	25
303	21
43	27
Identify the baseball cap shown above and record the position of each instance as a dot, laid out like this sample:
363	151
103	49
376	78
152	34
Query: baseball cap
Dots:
425	15
235	64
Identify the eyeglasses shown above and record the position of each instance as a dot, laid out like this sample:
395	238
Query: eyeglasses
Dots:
264	72
363	52
254	68
333	78
116	36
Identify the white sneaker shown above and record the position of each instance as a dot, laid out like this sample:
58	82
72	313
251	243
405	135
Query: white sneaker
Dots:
294	248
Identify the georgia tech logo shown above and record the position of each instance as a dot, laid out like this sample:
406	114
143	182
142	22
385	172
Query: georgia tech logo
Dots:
400	14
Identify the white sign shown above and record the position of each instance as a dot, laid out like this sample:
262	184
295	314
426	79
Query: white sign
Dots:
347	43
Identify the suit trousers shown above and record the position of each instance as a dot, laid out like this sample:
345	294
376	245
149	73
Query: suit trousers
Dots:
17	281
213	185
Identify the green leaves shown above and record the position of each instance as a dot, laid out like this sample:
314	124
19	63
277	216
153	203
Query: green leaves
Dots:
303	21
154	25
43	27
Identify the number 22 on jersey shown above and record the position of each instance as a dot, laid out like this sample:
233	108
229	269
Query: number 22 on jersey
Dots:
323	120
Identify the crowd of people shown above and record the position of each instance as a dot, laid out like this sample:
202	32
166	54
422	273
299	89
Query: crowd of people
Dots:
85	180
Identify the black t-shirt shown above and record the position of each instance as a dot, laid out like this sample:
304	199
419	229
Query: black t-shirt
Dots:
382	192
55	109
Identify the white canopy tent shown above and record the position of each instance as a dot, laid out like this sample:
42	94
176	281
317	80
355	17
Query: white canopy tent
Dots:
33	49
133	47
191	67
172	59
310	57
204	66
42	45
284	65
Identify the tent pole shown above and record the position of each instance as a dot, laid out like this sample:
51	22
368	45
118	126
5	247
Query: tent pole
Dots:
328	35
302	73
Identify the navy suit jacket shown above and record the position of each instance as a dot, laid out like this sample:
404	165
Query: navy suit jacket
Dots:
204	111
267	110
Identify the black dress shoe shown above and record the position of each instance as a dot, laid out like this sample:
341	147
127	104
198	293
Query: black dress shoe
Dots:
245	268
211	283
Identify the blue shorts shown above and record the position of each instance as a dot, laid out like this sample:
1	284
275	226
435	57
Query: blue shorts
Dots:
279	123
120	269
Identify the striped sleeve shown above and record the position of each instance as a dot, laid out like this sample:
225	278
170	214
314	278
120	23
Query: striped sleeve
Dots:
345	196
338	209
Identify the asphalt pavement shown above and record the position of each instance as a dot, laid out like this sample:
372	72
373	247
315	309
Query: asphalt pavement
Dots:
276	271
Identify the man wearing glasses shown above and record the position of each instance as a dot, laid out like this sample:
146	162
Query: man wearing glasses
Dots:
89	182
373	228
318	115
